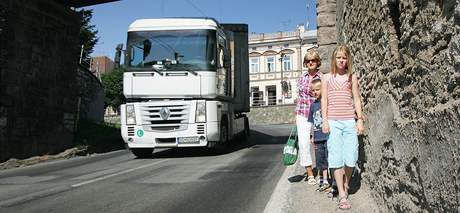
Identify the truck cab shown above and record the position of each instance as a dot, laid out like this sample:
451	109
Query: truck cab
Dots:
186	84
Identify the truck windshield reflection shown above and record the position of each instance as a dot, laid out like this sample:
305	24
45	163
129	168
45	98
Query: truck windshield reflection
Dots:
173	50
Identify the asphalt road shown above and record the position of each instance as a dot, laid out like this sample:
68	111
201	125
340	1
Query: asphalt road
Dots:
173	180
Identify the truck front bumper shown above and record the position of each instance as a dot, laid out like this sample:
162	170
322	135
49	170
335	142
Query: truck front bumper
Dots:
195	135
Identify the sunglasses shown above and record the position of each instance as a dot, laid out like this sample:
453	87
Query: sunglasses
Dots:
310	60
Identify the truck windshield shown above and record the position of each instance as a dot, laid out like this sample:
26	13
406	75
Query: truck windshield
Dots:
170	50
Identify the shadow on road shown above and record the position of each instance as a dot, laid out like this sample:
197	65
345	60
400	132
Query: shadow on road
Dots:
258	137
297	178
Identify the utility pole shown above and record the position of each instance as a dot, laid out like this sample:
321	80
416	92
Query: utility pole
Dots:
282	79
81	53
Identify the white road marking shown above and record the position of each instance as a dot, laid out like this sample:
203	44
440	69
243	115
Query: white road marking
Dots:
115	174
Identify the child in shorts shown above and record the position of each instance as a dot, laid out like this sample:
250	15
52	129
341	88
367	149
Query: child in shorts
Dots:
319	138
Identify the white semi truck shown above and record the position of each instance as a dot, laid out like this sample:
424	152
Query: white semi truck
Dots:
186	84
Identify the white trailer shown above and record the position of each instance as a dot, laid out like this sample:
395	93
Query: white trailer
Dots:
186	84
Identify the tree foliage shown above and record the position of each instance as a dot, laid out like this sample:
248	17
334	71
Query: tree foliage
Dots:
113	87
88	35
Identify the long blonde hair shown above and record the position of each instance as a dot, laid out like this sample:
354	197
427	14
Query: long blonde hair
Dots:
346	50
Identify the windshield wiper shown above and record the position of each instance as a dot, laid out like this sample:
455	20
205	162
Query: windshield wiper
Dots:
184	67
193	72
145	69
157	67
159	73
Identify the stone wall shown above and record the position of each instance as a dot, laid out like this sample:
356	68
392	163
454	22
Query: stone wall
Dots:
91	96
278	114
38	90
327	31
3	65
407	56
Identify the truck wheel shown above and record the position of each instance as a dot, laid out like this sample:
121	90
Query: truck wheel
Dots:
222	145
142	152
223	134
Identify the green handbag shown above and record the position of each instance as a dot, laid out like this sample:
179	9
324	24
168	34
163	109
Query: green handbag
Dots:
291	150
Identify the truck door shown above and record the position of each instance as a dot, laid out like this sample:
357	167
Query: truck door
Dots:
221	69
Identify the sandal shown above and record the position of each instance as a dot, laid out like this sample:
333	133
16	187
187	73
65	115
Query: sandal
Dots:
344	204
311	180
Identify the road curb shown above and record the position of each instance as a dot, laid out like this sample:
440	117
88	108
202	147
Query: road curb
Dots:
280	200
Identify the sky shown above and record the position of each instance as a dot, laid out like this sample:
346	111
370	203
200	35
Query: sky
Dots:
263	16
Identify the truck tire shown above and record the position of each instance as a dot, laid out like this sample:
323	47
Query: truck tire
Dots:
142	152
221	146
247	130
223	138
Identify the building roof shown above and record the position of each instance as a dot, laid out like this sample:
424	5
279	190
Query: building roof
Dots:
84	3
309	34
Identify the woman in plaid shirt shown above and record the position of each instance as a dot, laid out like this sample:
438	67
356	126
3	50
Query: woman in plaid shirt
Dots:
312	62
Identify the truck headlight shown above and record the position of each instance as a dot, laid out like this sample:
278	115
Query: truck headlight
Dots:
130	115
200	115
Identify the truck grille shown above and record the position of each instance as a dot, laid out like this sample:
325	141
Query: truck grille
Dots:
174	118
130	131
200	129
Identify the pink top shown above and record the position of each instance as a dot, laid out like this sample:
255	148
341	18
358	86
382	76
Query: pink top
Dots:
305	95
339	98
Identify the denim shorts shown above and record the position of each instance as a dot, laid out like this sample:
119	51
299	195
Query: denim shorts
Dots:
342	144
321	155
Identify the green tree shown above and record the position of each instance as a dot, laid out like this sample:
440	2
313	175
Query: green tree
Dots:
113	87
88	35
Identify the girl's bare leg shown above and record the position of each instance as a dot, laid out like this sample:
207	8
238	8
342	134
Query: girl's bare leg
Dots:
346	182
338	175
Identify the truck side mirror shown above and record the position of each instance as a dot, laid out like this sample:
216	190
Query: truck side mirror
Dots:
118	50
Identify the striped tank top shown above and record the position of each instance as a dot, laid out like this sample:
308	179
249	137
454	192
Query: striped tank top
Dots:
339	98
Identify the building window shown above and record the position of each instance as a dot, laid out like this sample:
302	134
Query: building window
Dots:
286	45
269	47
254	48
271	95
254	65
287	64
257	96
270	63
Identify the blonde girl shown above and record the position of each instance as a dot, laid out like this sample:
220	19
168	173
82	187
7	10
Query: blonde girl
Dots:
343	119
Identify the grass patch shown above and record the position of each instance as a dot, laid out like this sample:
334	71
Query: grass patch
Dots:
98	137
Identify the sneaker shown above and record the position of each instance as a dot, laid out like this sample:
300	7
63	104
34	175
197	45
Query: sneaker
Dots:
318	180
324	187
319	187
333	192
311	180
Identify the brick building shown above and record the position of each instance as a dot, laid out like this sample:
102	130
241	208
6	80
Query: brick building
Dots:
101	65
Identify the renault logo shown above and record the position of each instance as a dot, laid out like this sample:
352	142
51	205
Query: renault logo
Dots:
164	113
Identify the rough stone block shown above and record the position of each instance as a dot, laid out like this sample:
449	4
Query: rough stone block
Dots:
326	20
327	35
277	114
